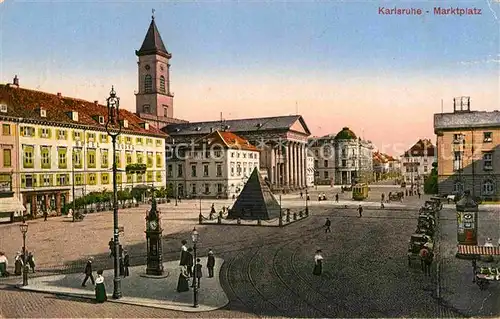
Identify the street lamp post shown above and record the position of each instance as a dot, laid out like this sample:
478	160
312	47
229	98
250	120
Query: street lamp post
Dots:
114	128
194	237
24	229
73	177
307	200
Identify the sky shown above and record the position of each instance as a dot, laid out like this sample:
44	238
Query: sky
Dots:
336	63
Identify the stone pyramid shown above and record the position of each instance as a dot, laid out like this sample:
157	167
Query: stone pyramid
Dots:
255	201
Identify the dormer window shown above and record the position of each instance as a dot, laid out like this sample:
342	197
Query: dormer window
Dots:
101	119
124	123
73	115
3	108
43	112
488	137
198	128
259	125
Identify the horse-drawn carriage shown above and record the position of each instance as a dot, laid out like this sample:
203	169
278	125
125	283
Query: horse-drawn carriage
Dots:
416	243
396	196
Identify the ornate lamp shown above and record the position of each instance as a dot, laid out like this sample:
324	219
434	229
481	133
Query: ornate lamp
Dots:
24	229
195	237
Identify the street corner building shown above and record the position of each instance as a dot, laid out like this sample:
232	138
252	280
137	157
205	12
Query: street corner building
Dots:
213	166
52	143
468	151
417	162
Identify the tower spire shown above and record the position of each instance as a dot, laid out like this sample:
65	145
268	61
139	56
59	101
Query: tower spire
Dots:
152	14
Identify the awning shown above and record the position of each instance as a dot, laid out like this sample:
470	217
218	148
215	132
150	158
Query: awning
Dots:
11	205
478	250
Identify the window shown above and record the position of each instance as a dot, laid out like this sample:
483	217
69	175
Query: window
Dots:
217	154
193	188
193	170
27	131
232	154
44	132
61	134
179	170
150	159
28	181
47	180
244	155
77	157
91	178
232	168
457	160
162	84
159	178
104	159
458	138
6	129
103	138
79	179
488	187
45	152
62	179
159	159
207	188
219	188
104	178
128	156
169	170
148	84
91	162
61	156
119	178
149	141
326	174
91	137
77	136
146	108
425	169
219	170
238	168
130	178
316	152
325	164
139	157
205	170
488	137
488	161
118	159
344	163
165	110
149	176
128	140
138	140
7	158
159	143
316	163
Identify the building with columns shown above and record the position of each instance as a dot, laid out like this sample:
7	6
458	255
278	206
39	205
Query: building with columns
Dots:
281	141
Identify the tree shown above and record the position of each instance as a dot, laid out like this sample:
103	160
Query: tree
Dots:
431	183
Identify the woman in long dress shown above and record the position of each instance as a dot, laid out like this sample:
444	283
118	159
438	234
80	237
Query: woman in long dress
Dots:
183	284
100	289
18	264
318	263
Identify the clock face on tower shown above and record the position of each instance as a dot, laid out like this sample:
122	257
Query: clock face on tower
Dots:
153	224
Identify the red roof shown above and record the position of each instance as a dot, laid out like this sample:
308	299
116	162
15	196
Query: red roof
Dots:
26	103
382	158
230	140
421	148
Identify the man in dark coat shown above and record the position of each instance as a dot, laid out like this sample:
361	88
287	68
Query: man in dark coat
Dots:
210	263
126	264
88	273
336	198
360	211
111	245
189	261
45	215
328	223
183	260
198	272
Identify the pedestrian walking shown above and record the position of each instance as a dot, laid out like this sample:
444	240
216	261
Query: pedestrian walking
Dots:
4	264
120	260
360	211
301	194
111	245
318	263
198	273
88	273
18	264
382	197
126	264
210	263
328	223
419	194
182	283
31	261
100	288
337	197
189	262
183	261
45	215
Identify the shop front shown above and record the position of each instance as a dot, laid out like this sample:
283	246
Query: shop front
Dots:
39	202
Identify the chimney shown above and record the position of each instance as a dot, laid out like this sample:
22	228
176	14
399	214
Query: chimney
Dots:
59	94
15	81
96	103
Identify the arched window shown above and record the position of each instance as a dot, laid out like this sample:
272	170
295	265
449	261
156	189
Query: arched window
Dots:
162	84
488	187
148	83
458	187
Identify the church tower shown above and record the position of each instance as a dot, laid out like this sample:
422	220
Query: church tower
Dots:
154	101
